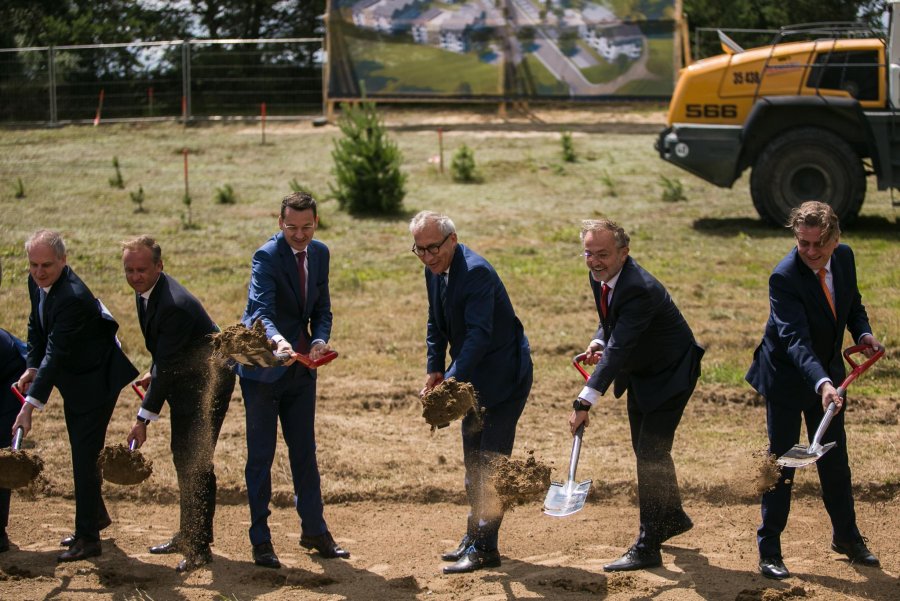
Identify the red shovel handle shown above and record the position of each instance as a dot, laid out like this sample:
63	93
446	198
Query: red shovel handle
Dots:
137	390
313	364
17	393
577	360
858	369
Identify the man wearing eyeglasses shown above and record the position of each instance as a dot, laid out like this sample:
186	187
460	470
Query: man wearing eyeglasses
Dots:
289	294
470	311
643	346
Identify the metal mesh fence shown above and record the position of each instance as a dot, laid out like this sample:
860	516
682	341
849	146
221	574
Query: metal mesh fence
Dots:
193	79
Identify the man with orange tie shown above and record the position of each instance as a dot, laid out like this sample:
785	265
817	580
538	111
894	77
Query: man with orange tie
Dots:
648	351
813	298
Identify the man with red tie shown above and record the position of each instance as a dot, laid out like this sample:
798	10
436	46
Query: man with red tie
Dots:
289	295
813	298
648	351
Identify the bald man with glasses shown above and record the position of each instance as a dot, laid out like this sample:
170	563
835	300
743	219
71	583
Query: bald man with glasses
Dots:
470	312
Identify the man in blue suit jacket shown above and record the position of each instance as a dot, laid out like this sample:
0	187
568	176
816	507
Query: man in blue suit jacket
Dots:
470	311
12	364
813	298
648	351
289	295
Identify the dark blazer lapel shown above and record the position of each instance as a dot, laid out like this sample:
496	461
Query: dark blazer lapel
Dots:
289	264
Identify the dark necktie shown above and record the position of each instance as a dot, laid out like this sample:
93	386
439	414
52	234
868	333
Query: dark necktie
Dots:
142	314
442	287
604	301
43	297
301	271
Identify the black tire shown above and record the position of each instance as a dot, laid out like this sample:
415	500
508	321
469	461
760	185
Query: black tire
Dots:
803	164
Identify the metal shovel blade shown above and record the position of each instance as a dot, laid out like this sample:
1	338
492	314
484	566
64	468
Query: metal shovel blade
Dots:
801	456
566	499
259	358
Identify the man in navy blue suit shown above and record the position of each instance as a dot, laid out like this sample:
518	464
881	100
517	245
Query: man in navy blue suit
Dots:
470	311
12	364
813	298
289	295
648	351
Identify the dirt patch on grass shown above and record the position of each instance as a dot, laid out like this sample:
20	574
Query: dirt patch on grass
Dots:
519	482
448	401
18	468
121	465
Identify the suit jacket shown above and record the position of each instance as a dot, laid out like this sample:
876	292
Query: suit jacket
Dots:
275	299
488	346
76	348
12	365
802	341
649	345
177	333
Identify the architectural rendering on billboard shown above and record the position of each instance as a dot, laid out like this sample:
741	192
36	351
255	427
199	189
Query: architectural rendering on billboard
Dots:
500	49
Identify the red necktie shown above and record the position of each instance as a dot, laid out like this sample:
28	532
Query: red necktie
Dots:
301	271
604	300
827	292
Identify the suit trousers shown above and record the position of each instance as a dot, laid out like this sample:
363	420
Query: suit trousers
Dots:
87	435
193	444
292	400
783	424
8	415
494	434
652	436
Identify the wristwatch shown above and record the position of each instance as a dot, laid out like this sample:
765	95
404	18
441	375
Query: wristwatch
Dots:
580	405
143	420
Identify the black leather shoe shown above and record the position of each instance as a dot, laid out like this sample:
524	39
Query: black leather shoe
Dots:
264	555
170	546
4	542
325	545
80	549
194	560
457	553
474	559
70	540
857	551
635	559
773	567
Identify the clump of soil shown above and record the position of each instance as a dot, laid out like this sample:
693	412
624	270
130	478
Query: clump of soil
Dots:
120	465
518	482
768	594
448	401
18	468
768	472
240	339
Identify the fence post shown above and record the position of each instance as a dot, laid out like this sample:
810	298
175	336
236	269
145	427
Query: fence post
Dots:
51	68
186	84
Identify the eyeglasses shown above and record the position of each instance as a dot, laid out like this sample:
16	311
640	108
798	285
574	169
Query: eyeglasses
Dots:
431	249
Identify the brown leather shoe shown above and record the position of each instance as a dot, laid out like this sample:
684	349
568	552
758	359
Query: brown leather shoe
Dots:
325	545
80	549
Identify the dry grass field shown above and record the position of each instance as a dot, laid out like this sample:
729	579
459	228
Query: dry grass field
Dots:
394	490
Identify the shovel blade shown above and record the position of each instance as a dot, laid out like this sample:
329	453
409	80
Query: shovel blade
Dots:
566	499
801	456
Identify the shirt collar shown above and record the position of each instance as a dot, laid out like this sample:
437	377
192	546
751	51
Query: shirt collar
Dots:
147	294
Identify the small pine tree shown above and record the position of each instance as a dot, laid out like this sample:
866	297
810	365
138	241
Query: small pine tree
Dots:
138	199
186	221
673	190
19	188
368	180
225	195
462	167
568	148
117	181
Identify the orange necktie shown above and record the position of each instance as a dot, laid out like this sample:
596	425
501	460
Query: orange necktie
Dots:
827	292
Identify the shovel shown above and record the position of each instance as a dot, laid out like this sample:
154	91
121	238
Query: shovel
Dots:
266	358
564	499
800	455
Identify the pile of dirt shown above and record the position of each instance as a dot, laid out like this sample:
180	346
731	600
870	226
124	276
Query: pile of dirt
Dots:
240	339
18	468
448	401
519	482
120	465
769	594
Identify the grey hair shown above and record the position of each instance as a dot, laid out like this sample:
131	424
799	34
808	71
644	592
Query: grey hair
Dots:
423	218
600	225
52	239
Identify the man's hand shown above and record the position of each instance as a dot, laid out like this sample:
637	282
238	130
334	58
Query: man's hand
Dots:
577	418
872	342
25	380
434	378
593	354
144	381
23	420
284	347
830	395
138	433
318	350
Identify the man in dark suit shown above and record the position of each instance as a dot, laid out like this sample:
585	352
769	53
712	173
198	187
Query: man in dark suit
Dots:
469	310
289	295
648	351
72	345
177	333
12	364
813	298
